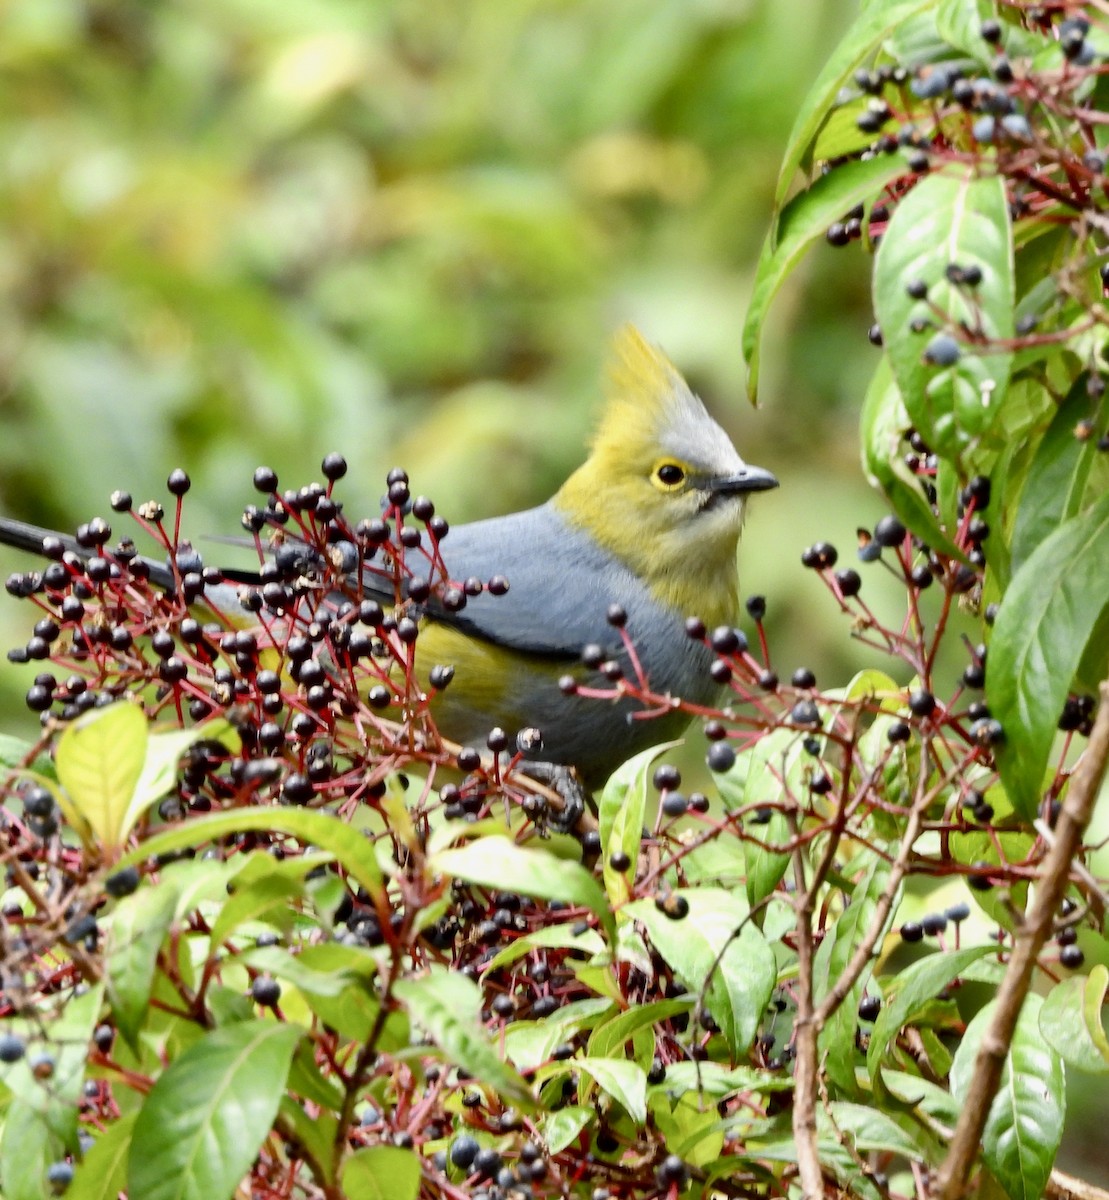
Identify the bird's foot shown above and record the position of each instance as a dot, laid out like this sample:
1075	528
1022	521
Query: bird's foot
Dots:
571	797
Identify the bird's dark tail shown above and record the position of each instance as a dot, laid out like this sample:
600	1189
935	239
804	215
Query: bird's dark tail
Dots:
25	536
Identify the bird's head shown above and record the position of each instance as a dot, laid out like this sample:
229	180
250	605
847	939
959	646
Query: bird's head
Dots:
664	488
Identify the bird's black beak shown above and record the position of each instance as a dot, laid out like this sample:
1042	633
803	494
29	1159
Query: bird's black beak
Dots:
750	479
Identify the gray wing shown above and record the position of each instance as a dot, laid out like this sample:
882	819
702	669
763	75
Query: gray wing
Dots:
560	584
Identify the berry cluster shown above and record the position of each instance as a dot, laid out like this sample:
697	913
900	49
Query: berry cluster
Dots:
310	661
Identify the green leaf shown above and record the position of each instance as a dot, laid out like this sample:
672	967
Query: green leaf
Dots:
766	866
315	1132
690	1128
41	1120
948	218
916	987
620	819
252	901
959	23
1057	477
840	135
704	949
1005	905
1047	616
1025	1122
138	928
448	1007
754	782
803	220
549	937
353	1011
864	37
871	1130
1070	1021
608	1039
916	1092
203	1122
349	846
716	1080
289	968
381	1173
916	41
564	1126
102	1172
99	760
530	1043
497	862
625	1082
882	426
15	751
836	1043
27	1148
775	757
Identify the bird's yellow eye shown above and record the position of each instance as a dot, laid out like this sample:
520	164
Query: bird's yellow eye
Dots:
668	476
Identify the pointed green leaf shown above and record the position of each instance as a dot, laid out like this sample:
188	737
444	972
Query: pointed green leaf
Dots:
753	783
497	862
352	1011
870	29
563	1127
1070	1021
950	218
203	1122
620	814
883	425
625	1082
1025	1122
566	936
43	1116
804	220
27	1148
608	1040
315	1132
278	962
704	949
837	1039
1056	480
164	748
1052	606
252	900
381	1173
959	23
447	1006
870	1129
350	847
916	987
527	1044
138	928
1006	905
99	759
102	1172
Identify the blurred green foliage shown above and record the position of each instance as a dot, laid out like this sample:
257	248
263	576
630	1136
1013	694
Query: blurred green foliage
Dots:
236	232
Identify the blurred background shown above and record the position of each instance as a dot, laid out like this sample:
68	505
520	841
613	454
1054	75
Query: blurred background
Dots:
234	232
240	232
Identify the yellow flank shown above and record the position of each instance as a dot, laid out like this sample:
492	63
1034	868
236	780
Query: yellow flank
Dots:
489	679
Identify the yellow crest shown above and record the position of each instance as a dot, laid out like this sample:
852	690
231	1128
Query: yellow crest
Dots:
642	386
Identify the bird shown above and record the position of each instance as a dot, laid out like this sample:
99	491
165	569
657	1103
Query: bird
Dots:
639	538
